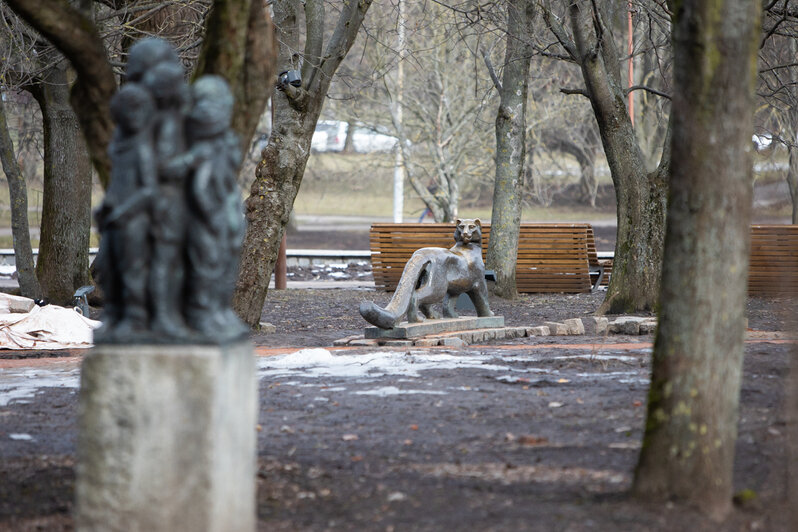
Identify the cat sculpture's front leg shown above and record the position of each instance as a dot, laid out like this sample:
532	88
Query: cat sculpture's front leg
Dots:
479	296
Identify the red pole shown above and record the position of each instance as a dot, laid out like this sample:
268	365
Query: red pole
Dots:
631	69
281	268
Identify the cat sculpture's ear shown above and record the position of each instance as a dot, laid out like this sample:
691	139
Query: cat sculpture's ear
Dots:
458	221
478	222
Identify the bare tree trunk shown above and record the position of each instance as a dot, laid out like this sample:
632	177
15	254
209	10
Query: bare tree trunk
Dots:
640	197
63	264
18	192
349	146
691	427
792	180
510	148
296	111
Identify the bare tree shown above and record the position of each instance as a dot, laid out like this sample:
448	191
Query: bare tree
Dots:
640	195
28	284
296	108
691	425
75	35
510	146
66	217
446	106
63	262
239	49
778	86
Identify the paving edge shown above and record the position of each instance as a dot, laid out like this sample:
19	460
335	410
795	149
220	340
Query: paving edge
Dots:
593	326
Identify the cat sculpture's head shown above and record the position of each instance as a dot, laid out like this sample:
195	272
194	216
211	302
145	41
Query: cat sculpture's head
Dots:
468	231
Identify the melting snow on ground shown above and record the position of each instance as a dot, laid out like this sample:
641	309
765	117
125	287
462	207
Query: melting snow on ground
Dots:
393	390
317	363
363	368
20	385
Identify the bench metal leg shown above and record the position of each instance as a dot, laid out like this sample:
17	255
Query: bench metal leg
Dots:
600	270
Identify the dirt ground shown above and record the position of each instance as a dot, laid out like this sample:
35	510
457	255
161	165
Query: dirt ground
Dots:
526	434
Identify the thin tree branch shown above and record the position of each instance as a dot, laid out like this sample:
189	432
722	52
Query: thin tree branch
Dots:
496	82
647	89
559	32
582	92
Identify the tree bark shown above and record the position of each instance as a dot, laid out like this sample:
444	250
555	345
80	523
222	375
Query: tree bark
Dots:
510	148
640	196
691	427
296	111
240	46
76	37
63	264
20	232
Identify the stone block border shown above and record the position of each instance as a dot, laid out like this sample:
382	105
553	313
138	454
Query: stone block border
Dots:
593	326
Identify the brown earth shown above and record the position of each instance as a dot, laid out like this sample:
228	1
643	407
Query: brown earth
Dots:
548	443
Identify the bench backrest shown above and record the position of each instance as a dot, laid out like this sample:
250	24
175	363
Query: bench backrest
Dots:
551	257
774	260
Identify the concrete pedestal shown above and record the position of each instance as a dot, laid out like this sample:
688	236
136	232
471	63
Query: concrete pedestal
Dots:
167	439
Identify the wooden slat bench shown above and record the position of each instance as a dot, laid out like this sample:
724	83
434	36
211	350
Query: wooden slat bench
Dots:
774	260
551	257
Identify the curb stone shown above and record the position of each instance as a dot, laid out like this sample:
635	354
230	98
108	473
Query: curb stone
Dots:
592	325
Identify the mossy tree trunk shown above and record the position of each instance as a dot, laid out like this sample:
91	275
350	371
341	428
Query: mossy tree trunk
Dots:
63	264
691	426
296	111
510	147
18	195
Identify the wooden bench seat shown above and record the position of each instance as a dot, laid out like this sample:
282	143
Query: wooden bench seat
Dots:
551	257
773	269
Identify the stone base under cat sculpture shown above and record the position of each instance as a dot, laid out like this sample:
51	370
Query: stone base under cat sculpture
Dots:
167	438
423	328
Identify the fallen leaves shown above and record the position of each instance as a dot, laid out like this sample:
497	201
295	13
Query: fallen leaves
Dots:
527	440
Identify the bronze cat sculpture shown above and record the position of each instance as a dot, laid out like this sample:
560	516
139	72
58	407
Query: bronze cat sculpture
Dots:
437	275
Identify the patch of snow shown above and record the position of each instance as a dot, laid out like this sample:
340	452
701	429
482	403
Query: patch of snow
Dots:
19	384
21	437
385	391
316	363
599	357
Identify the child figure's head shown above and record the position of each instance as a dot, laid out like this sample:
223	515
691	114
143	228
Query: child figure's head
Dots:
165	82
132	108
212	107
147	53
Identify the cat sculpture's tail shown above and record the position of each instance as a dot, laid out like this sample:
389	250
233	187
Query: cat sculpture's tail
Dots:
413	277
